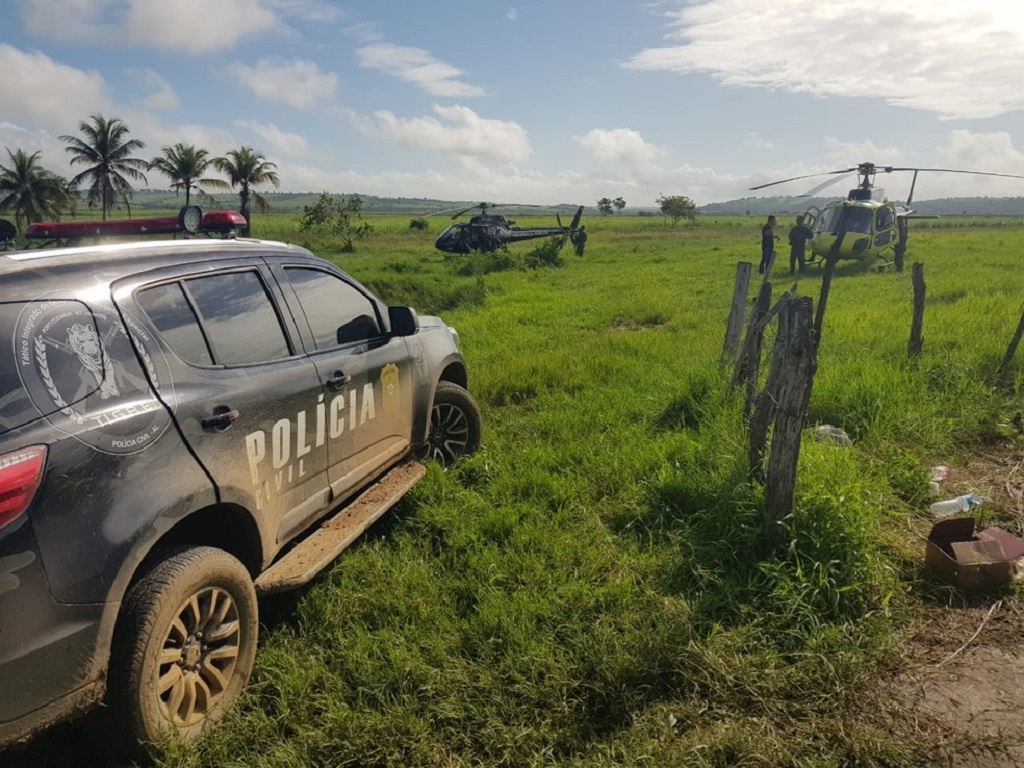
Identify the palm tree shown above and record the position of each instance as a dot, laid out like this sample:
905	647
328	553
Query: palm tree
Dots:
245	168
107	153
185	165
30	191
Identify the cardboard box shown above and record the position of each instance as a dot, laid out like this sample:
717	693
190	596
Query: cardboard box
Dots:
972	562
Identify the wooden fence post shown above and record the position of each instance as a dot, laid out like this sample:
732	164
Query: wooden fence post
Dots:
826	286
1012	349
766	404
734	327
793	393
748	368
917	276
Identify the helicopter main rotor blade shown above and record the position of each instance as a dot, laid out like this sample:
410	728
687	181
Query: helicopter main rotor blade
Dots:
805	176
576	219
816	189
955	170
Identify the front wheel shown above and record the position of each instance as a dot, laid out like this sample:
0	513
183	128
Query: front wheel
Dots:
185	645
455	424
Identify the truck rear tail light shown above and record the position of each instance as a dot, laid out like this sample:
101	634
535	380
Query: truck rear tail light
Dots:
20	473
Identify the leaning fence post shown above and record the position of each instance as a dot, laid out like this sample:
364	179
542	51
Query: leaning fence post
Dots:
763	413
734	327
914	347
1012	349
826	286
748	369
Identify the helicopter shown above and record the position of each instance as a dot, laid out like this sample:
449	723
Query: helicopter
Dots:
486	232
866	224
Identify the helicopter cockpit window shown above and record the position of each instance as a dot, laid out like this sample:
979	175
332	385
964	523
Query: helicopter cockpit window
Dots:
884	218
826	220
857	220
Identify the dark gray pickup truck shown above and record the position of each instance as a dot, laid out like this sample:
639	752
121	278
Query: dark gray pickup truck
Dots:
185	425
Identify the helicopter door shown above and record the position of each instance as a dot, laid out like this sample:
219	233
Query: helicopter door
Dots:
811	216
886	234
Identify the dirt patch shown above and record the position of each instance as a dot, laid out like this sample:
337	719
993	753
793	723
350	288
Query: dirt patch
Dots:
963	692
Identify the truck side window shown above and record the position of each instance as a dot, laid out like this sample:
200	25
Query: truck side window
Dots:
239	318
174	318
337	313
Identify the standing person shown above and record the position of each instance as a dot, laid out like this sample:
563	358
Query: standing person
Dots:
799	234
768	238
579	240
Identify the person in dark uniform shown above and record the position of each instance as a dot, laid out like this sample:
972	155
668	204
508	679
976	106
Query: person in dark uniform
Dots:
579	240
799	234
768	238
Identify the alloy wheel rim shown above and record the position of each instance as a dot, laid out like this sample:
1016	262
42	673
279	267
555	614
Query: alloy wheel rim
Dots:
198	656
449	433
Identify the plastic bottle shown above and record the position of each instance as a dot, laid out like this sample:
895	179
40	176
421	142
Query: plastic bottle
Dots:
939	473
964	503
829	434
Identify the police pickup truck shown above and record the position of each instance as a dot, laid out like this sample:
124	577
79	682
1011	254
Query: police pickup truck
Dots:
185	425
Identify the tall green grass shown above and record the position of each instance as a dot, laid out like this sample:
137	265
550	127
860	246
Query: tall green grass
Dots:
593	587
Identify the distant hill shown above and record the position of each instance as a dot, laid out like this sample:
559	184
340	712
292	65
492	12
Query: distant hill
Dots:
294	202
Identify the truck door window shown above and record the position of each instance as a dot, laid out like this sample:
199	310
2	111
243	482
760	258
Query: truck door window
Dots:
337	313
239	318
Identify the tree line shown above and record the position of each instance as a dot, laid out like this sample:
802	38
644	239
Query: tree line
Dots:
675	207
109	165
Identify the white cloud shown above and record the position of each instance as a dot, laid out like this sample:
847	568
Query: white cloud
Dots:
162	94
365	32
957	58
844	154
994	152
419	67
320	11
189	26
54	96
157	135
277	141
620	145
456	130
52	156
512	14
298	83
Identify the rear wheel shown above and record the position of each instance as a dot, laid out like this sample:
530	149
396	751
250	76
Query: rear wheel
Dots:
185	645
455	424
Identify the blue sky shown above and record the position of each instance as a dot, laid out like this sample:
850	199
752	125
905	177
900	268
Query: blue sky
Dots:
534	102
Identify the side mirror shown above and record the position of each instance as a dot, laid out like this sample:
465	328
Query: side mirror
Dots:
404	321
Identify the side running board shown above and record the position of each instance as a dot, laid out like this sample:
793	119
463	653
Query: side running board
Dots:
318	550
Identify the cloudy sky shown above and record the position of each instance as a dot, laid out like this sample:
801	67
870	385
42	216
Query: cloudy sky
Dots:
562	101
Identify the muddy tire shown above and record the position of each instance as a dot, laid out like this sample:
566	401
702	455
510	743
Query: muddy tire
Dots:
455	424
184	647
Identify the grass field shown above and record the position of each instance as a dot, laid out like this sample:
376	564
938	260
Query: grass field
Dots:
591	588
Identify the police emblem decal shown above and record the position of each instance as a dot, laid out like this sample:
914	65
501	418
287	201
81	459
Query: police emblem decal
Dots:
88	378
389	381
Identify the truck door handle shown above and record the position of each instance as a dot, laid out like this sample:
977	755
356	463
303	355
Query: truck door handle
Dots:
338	380
221	419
